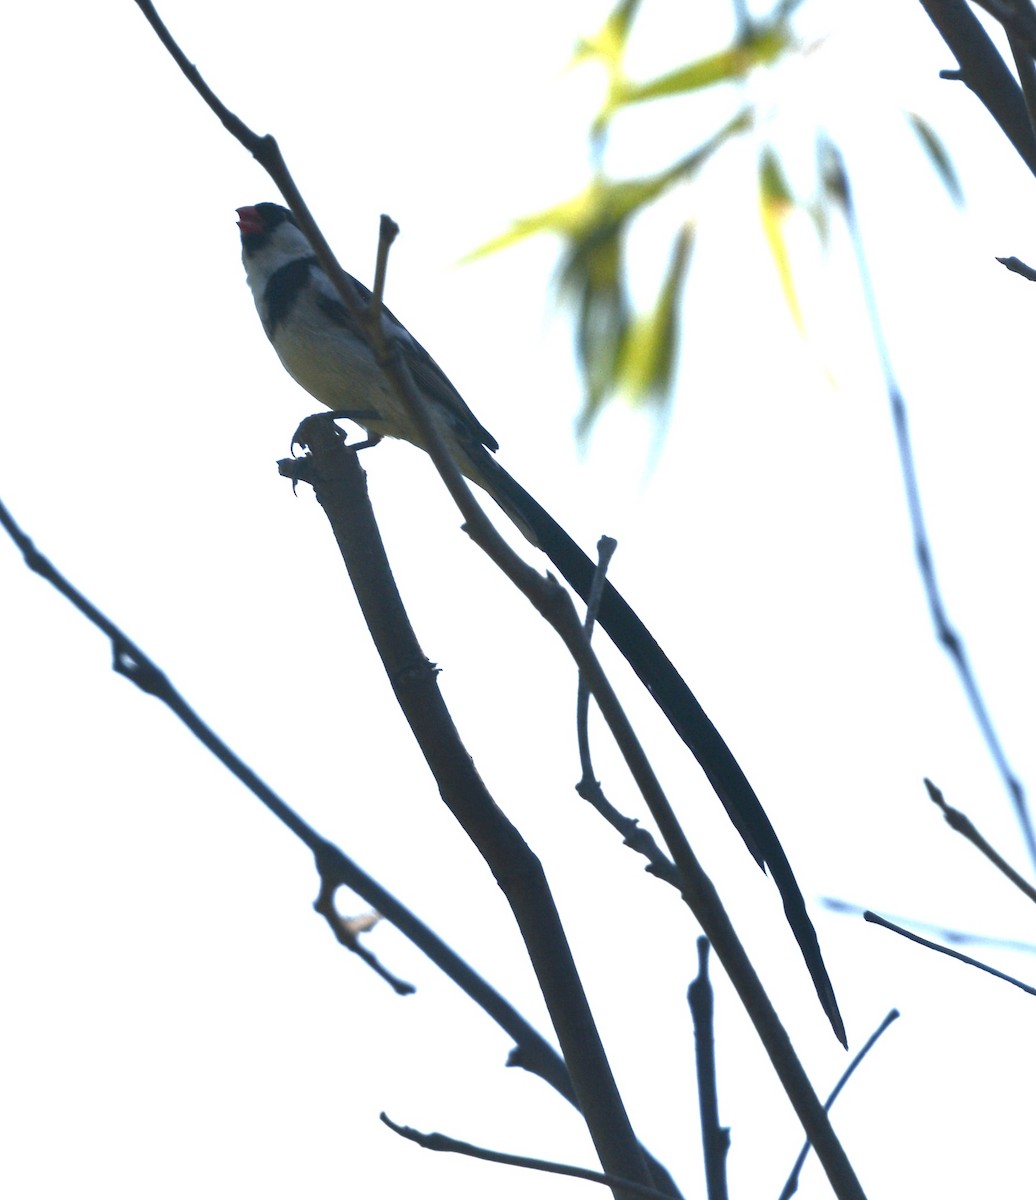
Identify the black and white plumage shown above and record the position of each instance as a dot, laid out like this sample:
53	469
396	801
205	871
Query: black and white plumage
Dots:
323	348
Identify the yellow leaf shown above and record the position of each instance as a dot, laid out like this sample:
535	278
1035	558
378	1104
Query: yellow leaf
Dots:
733	63
569	219
647	357
775	202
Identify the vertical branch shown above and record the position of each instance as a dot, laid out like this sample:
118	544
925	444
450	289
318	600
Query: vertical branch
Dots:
715	1139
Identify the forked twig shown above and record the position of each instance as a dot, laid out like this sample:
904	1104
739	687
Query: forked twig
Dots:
634	835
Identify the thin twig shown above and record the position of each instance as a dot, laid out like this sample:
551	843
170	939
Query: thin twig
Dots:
792	1183
606	547
1018	267
335	868
266	152
639	839
950	639
874	919
958	937
442	1142
347	932
129	660
589	788
715	1138
962	824
388	231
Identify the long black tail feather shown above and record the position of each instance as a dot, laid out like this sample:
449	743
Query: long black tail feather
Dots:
679	704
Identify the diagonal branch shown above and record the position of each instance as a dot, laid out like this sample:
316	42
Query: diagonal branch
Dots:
334	472
532	1052
963	825
332	468
335	868
984	72
792	1183
951	640
449	1145
873	919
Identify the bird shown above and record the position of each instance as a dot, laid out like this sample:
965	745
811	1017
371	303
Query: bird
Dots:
324	348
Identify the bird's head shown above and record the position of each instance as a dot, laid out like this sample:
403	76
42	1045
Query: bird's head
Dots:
269	238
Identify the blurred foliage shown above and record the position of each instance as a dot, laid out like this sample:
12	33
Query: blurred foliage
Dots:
936	152
620	351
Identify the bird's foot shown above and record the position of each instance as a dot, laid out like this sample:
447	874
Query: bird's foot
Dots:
300	439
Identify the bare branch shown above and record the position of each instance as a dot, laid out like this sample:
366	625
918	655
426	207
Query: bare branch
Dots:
347	932
339	483
606	547
962	824
874	919
388	231
328	472
443	1143
1018	267
1023	64
589	788
1017	18
130	661
951	640
335	868
956	937
792	1183
715	1138
985	73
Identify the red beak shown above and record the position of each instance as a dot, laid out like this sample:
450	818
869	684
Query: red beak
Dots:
251	221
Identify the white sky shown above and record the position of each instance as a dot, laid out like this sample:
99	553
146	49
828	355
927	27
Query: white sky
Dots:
175	1018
